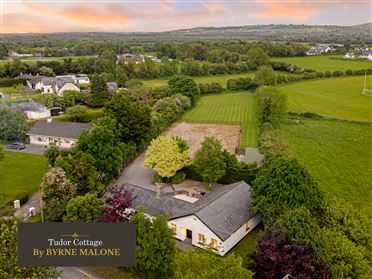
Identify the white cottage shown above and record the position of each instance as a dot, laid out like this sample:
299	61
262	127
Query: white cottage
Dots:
59	133
219	219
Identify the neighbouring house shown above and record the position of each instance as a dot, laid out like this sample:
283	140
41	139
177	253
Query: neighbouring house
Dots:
59	133
360	49
76	79
319	50
32	110
82	79
220	218
28	76
349	55
52	84
14	54
367	54
129	58
112	86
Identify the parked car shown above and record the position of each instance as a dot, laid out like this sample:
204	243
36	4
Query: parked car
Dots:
16	146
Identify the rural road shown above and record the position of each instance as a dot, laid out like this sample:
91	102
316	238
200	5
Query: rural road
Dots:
71	272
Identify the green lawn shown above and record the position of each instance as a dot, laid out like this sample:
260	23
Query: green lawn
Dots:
20	173
228	108
337	154
332	97
221	79
325	62
248	244
34	59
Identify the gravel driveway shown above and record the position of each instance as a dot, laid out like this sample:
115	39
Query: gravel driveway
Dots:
34	149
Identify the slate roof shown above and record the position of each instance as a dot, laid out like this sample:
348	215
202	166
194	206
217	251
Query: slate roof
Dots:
223	210
366	53
62	129
36	79
159	206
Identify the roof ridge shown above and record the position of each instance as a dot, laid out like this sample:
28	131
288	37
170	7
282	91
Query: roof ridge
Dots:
202	206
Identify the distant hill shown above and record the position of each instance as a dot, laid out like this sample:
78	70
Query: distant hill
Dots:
356	34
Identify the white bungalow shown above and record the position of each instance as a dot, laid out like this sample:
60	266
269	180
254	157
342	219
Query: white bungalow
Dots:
59	133
219	219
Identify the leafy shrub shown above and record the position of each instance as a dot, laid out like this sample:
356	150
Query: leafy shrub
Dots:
178	178
157	178
241	84
9	82
337	73
213	87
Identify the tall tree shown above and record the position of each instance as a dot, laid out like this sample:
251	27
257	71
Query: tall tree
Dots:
103	145
209	160
99	91
9	267
165	156
118	202
265	75
276	256
184	85
133	118
83	209
13	125
271	104
56	191
156	247
257	57
283	184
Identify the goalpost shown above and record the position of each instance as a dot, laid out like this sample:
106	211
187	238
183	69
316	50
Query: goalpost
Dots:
366	91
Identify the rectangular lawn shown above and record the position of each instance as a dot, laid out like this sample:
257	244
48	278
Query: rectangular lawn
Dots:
337	154
228	108
331	97
20	173
324	63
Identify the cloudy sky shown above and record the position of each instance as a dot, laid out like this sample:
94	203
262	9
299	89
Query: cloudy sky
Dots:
157	15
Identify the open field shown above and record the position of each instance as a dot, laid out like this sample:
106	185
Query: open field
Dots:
337	154
324	63
194	133
20	173
221	79
332	97
228	108
34	59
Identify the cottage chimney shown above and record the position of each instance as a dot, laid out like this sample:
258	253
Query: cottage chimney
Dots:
49	120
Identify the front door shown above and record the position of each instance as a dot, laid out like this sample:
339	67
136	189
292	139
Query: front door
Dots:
189	234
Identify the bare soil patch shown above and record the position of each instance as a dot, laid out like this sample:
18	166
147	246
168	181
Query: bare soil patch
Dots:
194	133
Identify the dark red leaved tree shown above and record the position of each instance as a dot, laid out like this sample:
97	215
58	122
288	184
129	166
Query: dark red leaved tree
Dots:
118	204
276	256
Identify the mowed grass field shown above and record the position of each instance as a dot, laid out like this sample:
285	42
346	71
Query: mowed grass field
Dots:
337	154
324	63
35	59
20	173
228	108
332	97
221	79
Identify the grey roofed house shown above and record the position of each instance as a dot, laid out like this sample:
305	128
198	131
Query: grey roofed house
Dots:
36	79
223	210
366	53
61	129
25	76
